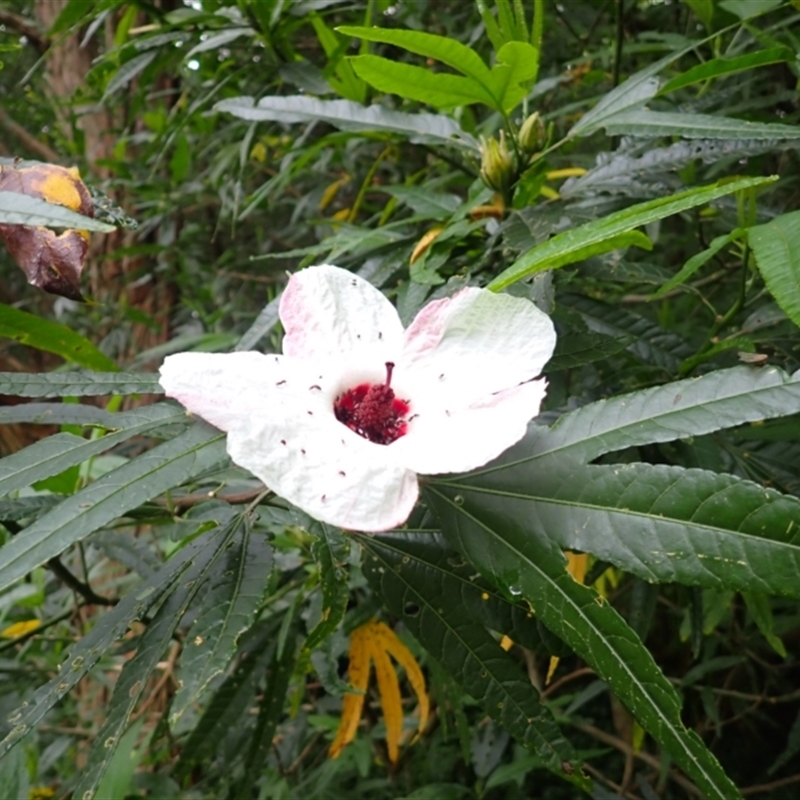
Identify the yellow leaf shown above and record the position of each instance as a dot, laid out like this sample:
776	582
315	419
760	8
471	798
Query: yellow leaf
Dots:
352	704
391	704
330	193
424	243
20	628
375	642
577	564
570	172
506	643
403	656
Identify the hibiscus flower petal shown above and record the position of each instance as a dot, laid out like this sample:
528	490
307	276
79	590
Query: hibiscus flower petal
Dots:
327	311
442	440
278	414
474	344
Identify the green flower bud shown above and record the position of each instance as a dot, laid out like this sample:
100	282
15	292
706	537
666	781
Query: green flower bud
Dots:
532	134
497	165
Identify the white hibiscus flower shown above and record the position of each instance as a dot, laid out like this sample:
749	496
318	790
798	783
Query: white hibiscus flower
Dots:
342	423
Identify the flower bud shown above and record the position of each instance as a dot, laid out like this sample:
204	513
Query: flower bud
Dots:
532	134
497	165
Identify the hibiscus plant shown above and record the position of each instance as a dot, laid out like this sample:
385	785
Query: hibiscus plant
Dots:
436	431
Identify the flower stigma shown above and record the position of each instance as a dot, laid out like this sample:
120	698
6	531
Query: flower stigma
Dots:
373	411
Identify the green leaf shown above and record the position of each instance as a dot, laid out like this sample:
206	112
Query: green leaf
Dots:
237	582
331	551
108	627
697	261
677	410
224	730
643	122
761	612
652	344
717	67
776	247
558	249
77	384
269	714
54	454
44	334
122	76
498	88
439	89
633	93
663	524
576	349
349	116
136	673
517	63
467	650
442	48
151	474
22	209
56	414
529	565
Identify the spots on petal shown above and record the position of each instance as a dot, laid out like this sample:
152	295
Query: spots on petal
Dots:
342	473
315	387
280	383
283	441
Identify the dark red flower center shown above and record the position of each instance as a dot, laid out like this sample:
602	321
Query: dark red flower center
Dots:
373	411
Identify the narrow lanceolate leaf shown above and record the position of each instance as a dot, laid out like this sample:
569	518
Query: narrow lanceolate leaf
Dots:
697	261
676	410
664	524
555	251
54	454
108	627
439	89
57	414
453	576
225	726
22	209
651	343
442	48
520	557
53	337
136	673
717	67
633	93
236	587
151	474
77	384
642	122
350	116
331	551
776	247
466	649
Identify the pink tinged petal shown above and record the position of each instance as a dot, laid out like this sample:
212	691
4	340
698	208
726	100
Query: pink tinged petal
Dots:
463	438
327	470
327	311
279	418
474	344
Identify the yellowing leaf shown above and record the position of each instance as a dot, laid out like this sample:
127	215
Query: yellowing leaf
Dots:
331	191
375	642
50	261
402	655
20	628
424	243
391	703
352	704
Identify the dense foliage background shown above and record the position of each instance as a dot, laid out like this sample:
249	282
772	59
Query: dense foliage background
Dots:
169	631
